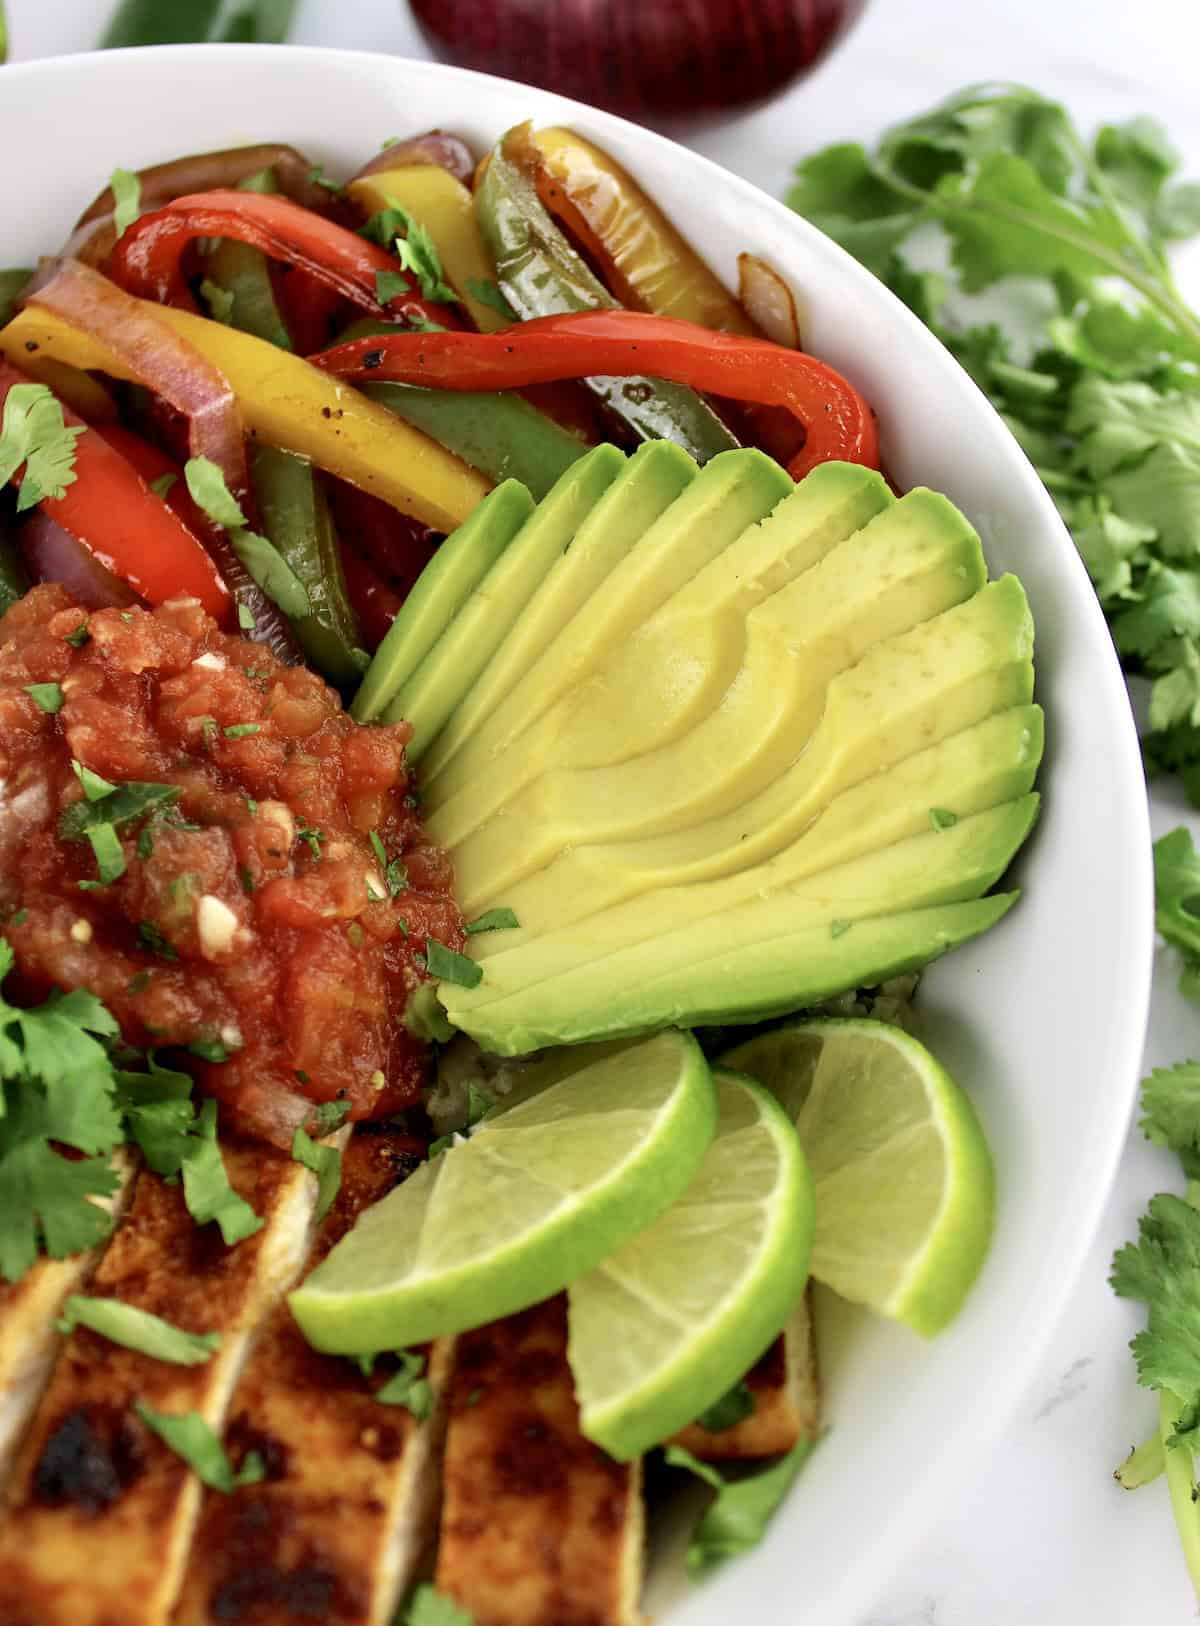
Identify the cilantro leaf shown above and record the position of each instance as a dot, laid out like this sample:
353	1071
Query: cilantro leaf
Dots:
737	1519
732	1408
1171	1108
408	1387
427	1607
206	1188
1160	1271
1177	892
127	199
493	920
489	293
325	1162
49	696
33	432
190	1437
450	966
262	559
137	1329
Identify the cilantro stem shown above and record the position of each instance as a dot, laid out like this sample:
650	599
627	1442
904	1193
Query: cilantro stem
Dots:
1182	1487
1152	288
1143	1465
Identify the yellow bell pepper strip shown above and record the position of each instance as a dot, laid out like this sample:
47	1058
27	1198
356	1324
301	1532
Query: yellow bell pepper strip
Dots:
541	275
446	209
838	424
290	404
646	263
148	258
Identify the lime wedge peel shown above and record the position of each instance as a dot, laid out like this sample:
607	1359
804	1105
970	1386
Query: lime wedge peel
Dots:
536	1198
672	1320
903	1179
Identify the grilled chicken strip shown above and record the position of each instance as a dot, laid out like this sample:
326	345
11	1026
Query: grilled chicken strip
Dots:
349	1502
787	1401
29	1338
100	1511
538	1525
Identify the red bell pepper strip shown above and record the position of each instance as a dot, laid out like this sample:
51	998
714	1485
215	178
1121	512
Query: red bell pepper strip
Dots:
838	423
113	512
153	464
372	600
148	258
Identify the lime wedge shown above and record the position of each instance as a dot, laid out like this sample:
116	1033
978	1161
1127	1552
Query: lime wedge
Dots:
537	1196
903	1177
671	1321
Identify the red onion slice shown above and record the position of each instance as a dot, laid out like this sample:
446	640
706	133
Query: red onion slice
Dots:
768	301
52	554
434	147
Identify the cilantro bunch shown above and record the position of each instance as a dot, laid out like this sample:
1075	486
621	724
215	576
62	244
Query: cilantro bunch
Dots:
1081	338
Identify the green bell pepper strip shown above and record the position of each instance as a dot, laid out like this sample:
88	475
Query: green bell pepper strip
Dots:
497	432
11	283
296	519
295	513
244	275
540	274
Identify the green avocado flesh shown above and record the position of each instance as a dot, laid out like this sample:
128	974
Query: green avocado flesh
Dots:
724	744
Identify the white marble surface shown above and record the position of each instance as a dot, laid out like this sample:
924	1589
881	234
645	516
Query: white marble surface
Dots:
1044	1535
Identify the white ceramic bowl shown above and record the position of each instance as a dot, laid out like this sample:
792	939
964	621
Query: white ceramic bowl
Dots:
1042	1019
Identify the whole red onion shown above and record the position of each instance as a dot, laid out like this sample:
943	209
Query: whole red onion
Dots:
648	59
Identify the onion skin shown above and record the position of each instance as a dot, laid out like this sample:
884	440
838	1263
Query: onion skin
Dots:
649	59
768	301
436	147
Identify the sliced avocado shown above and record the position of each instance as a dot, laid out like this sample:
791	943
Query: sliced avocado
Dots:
948	865
461	562
994	761
715	986
731	492
428	697
655	475
905	693
913	561
675	669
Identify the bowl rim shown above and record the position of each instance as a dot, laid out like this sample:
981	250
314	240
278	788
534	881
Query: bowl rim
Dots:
932	1484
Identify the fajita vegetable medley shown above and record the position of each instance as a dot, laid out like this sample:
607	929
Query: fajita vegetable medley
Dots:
484	754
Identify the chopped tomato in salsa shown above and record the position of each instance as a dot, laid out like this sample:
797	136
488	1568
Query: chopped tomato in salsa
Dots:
274	912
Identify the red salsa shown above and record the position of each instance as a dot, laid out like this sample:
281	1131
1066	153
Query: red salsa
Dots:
272	916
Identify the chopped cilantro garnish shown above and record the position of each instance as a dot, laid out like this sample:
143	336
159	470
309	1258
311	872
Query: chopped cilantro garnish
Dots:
57	1089
190	1437
127	199
265	563
137	1329
391	285
489	293
1177	902
240	731
941	818
251	806
206	1188
329	1115
415	250
407	1387
159	1114
214	1050
94	787
33	432
18	917
111	804
325	1162
138	983
163	484
378	849
106	845
246	878
737	1519
313	838
450	966
220	301
494	920
395	874
426	1606
49	696
246	618
732	1408
145	840
318	177
154	940
79	637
